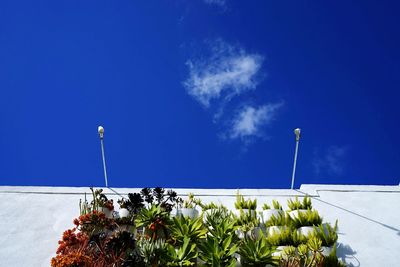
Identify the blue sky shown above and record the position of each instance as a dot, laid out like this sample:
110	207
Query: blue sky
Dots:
202	93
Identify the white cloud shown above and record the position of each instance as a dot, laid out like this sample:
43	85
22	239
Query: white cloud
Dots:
332	162
227	72
224	73
249	120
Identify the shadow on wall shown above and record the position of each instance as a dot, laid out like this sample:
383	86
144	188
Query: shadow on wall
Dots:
346	254
354	213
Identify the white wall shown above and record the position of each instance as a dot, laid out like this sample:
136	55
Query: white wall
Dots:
34	218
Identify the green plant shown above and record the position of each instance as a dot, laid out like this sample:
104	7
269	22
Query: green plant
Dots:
332	260
152	251
297	238
241	203
208	206
327	234
286	237
217	215
221	242
308	255
314	245
217	252
256	252
221	227
186	255
281	238
191	202
155	221
289	257
163	240
246	221
307	218
182	228
266	206
297	205
281	219
276	205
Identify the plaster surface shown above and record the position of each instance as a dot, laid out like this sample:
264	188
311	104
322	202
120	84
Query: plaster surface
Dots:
34	218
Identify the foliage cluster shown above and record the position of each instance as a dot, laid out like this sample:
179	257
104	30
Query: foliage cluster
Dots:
241	203
160	239
275	205
296	204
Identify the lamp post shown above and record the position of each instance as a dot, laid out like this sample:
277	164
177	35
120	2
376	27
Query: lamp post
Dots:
100	129
297	133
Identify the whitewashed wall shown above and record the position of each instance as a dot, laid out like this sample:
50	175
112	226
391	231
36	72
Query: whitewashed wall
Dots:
34	218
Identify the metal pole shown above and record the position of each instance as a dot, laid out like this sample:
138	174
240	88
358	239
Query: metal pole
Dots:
297	133
101	133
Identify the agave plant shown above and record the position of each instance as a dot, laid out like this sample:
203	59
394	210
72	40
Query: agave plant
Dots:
186	255
152	251
256	252
221	242
183	227
221	228
218	252
155	221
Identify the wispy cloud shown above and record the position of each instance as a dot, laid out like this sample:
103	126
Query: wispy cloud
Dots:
224	74
250	120
332	162
227	72
221	3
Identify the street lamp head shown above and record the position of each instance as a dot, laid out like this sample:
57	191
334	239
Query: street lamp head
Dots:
297	133
100	129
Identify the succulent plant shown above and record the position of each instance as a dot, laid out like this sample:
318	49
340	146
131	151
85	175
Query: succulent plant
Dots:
256	252
296	204
241	203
